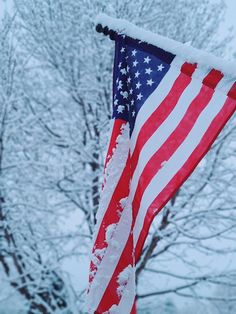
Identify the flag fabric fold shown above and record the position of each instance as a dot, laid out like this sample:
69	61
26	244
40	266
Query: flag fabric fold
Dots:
167	112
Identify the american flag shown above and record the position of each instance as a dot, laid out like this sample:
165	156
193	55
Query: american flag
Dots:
166	115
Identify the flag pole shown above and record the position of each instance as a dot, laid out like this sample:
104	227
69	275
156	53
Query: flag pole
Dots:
106	31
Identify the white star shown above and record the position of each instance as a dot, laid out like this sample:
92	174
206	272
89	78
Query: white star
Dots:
125	95
133	113
132	102
138	85
134	52
123	71
160	67
139	96
117	80
129	79
116	102
122	49
137	74
147	60
131	91
135	63
148	71
120	85
150	82
120	64
127	69
120	108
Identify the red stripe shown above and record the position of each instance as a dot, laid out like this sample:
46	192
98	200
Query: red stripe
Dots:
112	213
134	310
160	114
172	143
122	189
188	68
212	79
116	131
110	296
171	188
232	92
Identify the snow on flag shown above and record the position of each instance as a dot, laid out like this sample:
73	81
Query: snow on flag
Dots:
170	101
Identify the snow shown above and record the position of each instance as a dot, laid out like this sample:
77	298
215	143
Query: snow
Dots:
189	53
124	202
123	279
98	255
113	172
113	310
127	289
109	232
108	263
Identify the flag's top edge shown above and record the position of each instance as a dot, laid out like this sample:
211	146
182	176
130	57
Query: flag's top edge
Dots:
190	54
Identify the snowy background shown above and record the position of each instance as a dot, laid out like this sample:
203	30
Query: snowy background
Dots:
55	105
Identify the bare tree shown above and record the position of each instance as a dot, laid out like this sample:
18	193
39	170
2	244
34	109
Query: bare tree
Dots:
20	257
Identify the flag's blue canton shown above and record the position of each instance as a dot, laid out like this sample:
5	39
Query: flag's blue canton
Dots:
137	73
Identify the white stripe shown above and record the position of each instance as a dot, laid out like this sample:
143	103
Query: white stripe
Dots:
167	127
225	84
155	99
171	167
128	297
110	259
113	173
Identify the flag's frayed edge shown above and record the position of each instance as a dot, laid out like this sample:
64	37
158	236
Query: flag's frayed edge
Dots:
187	52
